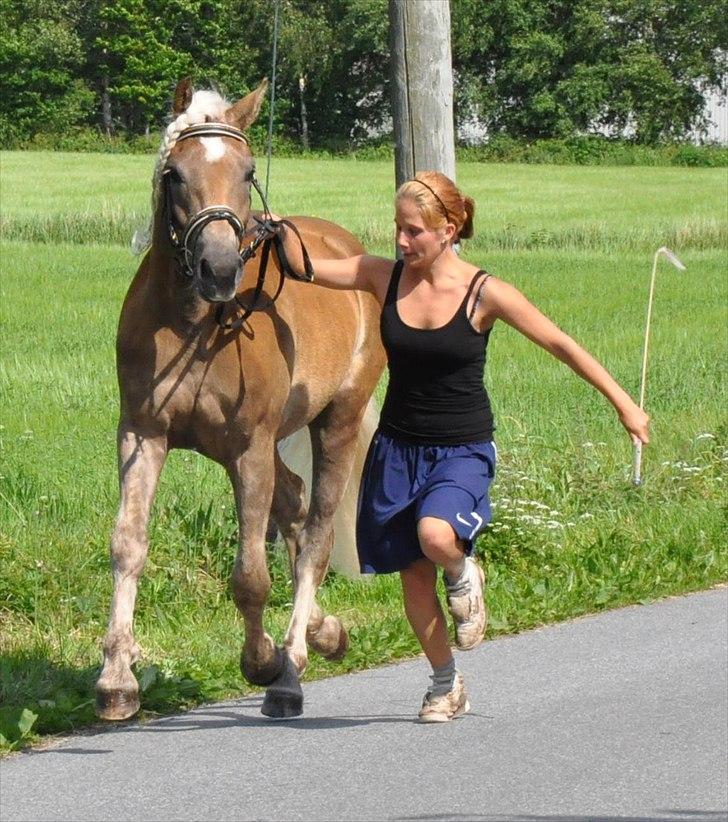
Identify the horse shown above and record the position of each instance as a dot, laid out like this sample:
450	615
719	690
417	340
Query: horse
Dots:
207	361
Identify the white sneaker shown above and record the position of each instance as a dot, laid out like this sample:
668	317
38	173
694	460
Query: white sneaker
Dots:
466	604
447	706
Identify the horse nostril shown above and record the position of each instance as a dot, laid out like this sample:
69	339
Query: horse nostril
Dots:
206	270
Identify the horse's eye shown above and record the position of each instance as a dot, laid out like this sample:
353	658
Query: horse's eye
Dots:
249	174
174	176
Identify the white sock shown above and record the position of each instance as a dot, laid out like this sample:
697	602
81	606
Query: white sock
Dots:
443	678
460	585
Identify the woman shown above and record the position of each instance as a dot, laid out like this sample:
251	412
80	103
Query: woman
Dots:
424	490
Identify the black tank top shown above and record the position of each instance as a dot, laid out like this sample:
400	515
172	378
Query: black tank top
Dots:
435	394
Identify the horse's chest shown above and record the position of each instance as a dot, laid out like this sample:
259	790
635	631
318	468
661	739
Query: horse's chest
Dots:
219	397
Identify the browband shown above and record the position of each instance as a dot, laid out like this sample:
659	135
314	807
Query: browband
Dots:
213	130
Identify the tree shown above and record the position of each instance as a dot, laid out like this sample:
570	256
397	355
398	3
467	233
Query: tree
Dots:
138	50
527	68
305	48
545	68
333	59
40	61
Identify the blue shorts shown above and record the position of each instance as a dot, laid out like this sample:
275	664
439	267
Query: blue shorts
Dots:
402	483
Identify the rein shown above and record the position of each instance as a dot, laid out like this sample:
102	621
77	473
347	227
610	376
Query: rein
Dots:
267	234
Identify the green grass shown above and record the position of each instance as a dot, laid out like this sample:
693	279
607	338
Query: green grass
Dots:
46	198
570	534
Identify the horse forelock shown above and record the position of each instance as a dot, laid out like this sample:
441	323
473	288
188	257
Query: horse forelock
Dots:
205	106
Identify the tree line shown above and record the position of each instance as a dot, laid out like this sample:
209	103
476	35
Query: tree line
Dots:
527	69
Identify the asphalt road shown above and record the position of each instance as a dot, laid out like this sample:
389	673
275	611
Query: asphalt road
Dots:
620	716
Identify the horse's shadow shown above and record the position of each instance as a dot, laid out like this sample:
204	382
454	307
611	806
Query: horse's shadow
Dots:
212	718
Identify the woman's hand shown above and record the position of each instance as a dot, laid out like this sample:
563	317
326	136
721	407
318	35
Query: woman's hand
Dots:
634	419
292	248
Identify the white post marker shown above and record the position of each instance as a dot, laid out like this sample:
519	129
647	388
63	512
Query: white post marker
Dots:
671	257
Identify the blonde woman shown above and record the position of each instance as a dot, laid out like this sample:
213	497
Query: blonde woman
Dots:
424	490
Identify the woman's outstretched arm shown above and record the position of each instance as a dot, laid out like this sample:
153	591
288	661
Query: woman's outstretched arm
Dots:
505	302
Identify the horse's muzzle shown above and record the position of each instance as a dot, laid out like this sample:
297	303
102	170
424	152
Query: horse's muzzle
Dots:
217	286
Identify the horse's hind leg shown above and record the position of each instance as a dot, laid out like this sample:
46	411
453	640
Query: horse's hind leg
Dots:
140	462
324	634
333	438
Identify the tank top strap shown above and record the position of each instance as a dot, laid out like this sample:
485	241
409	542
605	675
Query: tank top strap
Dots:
391	297
476	301
472	285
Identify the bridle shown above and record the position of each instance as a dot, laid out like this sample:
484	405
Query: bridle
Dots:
266	233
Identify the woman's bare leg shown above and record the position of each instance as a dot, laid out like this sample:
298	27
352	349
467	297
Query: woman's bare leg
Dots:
424	611
464	580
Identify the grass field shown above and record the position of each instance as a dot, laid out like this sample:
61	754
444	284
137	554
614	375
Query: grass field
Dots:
601	208
570	534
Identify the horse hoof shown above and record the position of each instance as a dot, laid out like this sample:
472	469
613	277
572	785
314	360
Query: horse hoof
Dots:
331	640
284	698
117	704
343	646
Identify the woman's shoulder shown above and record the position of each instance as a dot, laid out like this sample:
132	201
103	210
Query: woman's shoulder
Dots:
378	273
489	295
378	266
474	276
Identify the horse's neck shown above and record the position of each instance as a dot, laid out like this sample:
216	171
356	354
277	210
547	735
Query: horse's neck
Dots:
180	305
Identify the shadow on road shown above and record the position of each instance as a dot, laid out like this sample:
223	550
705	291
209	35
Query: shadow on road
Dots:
215	719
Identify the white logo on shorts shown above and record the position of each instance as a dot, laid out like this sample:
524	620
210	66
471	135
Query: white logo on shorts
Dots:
478	522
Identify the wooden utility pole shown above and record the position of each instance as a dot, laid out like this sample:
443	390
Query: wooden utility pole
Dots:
421	72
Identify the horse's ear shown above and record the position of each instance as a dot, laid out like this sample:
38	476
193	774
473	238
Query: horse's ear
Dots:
245	111
182	96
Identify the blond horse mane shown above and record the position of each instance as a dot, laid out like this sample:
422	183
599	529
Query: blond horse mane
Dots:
206	106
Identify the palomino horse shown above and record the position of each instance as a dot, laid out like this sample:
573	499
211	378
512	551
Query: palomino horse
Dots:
189	380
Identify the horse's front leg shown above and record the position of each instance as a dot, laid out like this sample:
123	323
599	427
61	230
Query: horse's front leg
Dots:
261	661
140	463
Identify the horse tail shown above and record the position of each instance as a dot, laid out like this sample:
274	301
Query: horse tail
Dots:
296	453
344	558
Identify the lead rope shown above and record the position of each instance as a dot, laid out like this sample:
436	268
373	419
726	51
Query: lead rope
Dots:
267	233
272	94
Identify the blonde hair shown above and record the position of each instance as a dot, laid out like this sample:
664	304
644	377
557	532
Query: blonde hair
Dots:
205	106
440	202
